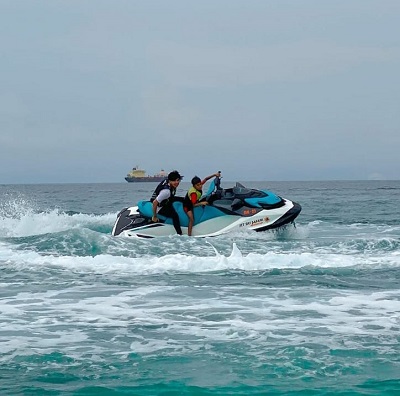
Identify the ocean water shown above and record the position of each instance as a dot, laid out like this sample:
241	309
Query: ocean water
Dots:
312	309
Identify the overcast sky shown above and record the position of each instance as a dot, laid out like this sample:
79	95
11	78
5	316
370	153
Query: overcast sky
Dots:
262	90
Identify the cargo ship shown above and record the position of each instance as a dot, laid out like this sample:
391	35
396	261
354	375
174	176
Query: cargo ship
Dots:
137	175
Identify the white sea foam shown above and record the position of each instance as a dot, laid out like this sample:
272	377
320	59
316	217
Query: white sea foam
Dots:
148	264
24	223
149	320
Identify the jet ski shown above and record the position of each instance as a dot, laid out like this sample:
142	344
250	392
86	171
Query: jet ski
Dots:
228	209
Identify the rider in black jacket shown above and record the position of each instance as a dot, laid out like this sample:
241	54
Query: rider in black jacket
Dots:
163	198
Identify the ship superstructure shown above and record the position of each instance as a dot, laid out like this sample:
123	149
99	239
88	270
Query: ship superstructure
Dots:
139	175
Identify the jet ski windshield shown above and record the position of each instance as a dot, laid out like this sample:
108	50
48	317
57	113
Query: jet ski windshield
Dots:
215	185
244	192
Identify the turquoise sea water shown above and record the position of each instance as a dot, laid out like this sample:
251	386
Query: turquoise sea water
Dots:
307	310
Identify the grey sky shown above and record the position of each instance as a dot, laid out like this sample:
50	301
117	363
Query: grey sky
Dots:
263	90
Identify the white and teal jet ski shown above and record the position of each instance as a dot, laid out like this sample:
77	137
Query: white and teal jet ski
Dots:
229	209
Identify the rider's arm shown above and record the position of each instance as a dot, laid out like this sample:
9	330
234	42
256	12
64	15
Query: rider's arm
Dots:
155	204
163	195
217	174
195	202
193	198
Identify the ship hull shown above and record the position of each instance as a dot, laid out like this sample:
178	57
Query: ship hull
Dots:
154	179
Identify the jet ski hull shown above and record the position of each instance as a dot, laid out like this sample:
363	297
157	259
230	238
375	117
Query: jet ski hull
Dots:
212	221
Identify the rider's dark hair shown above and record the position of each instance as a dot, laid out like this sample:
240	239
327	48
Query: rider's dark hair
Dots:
174	175
196	180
